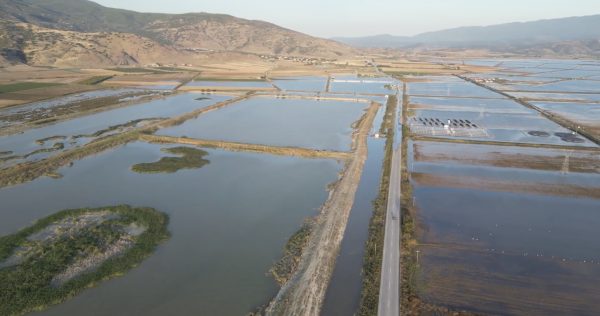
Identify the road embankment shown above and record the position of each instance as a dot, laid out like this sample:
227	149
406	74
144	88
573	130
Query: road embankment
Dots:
304	293
233	146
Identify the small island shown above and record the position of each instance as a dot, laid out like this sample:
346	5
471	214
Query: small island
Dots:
64	253
189	158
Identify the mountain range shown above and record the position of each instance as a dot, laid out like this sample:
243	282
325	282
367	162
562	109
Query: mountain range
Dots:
81	33
29	27
573	35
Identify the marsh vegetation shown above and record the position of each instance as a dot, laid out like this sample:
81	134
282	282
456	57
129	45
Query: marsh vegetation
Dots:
285	267
189	158
62	254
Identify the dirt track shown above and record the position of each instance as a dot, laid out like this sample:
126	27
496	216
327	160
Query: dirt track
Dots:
233	146
305	292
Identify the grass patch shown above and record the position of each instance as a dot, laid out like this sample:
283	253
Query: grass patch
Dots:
174	69
190	158
20	86
283	269
29	285
21	174
56	147
95	80
401	74
228	79
136	70
374	246
389	116
116	128
410	269
42	141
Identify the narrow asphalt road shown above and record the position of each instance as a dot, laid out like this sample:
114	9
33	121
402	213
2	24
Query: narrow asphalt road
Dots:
389	291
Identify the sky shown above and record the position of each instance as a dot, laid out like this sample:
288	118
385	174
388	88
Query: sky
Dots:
329	18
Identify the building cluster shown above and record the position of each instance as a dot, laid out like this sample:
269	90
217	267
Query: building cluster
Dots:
304	60
158	65
484	80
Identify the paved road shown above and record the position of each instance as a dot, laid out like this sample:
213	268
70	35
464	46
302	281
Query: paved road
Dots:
389	291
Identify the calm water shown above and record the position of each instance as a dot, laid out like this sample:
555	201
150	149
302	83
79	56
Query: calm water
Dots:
471	105
77	97
235	84
508	127
589	86
343	293
229	222
279	122
577	112
501	119
558	96
522	252
344	290
451	87
301	83
361	85
170	106
511	253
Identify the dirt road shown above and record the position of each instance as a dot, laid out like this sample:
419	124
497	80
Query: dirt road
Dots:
305	292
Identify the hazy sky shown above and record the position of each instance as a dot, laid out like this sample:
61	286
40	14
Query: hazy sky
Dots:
327	18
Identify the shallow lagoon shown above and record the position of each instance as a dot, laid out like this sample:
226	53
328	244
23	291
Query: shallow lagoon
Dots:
577	112
301	83
557	96
170	106
510	252
229	222
362	85
77	97
506	126
449	87
232	84
590	86
279	122
469	104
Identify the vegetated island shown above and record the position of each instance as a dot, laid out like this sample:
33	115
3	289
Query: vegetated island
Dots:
60	255
190	158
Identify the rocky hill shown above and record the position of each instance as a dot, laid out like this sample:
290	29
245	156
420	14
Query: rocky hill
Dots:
82	21
35	45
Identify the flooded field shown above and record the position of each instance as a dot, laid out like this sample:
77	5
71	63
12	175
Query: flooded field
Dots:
565	90
281	122
446	86
47	104
483	119
69	105
505	186
558	97
588	86
301	83
588	114
221	248
226	207
38	143
506	203
493	219
362	85
231	84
